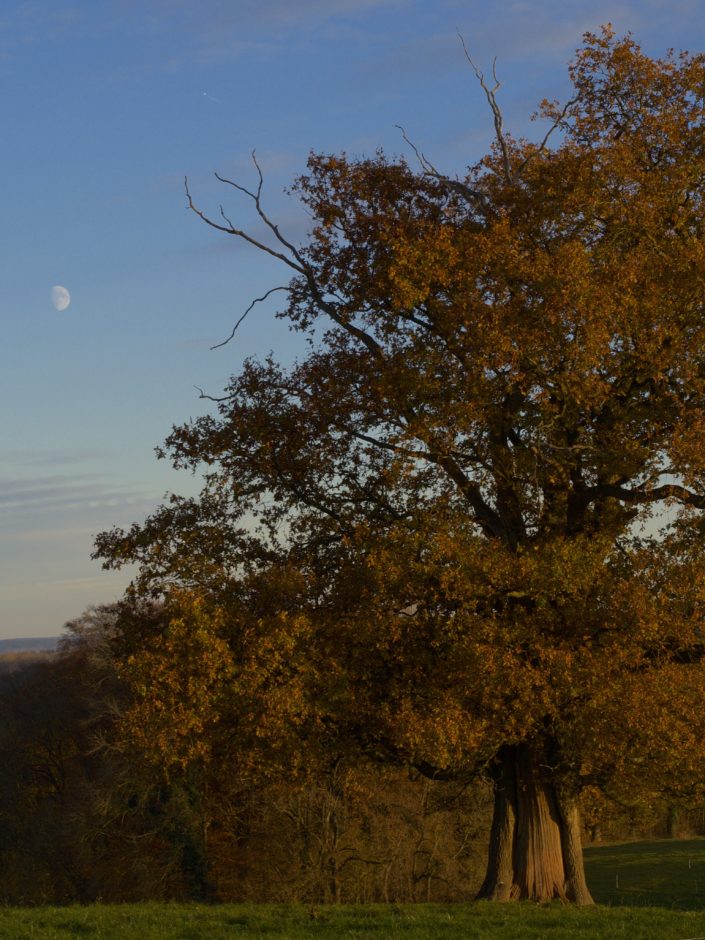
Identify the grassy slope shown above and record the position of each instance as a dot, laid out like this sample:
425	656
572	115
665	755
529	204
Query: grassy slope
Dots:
670	874
658	874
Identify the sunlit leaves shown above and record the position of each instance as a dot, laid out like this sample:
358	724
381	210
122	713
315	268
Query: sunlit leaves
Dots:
422	539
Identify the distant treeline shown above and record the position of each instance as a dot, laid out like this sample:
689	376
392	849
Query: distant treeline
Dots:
85	817
29	644
21	659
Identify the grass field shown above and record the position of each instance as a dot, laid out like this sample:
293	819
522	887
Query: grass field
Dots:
668	876
657	874
482	921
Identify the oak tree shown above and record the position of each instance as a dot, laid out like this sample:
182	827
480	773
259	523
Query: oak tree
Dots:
434	539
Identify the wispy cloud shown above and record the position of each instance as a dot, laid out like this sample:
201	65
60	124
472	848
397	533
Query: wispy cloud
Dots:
51	458
47	537
30	24
62	492
522	32
219	31
54	519
101	582
553	28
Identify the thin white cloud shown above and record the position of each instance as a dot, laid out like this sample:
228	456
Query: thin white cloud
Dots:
220	31
57	535
554	28
52	458
61	492
528	32
32	587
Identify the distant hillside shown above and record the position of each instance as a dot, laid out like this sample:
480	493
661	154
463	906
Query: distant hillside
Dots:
29	643
14	662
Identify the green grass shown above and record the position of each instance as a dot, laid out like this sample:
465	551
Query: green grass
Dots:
655	874
667	876
482	921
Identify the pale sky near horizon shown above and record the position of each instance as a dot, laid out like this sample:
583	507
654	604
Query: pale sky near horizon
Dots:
106	106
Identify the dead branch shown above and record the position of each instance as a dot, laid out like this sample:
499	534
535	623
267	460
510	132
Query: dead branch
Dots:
490	93
298	263
230	229
256	198
429	170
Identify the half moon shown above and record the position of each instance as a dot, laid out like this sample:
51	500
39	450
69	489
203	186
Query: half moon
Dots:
60	297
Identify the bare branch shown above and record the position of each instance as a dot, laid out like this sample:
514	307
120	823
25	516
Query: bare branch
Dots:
299	264
257	300
202	394
426	164
256	198
456	186
490	94
230	229
559	120
556	124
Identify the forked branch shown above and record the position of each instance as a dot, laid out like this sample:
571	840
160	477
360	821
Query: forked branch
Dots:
293	259
491	96
230	229
558	122
256	198
429	170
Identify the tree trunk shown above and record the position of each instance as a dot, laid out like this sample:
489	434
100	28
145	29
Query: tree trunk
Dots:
535	847
672	822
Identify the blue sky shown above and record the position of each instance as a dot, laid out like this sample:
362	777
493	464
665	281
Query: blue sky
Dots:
105	107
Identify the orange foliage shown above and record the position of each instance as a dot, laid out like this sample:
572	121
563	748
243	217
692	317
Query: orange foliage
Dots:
425	540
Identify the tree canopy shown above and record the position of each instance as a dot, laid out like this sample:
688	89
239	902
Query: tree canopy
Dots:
434	539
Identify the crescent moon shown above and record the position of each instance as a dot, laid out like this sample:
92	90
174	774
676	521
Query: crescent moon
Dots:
60	297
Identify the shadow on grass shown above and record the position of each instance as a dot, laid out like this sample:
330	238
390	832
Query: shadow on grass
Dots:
662	873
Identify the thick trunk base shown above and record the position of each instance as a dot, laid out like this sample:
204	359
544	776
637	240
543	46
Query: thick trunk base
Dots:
535	845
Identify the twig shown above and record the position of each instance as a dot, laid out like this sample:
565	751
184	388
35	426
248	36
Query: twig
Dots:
231	230
257	300
299	264
430	170
556	124
256	198
202	394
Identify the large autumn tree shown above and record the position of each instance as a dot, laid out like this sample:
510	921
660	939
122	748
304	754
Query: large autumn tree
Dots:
434	539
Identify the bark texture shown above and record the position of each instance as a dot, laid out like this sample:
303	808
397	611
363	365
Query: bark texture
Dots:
535	845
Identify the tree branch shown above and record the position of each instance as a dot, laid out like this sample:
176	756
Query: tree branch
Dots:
556	124
257	300
230	229
299	264
487	518
667	491
256	198
202	394
456	186
496	112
